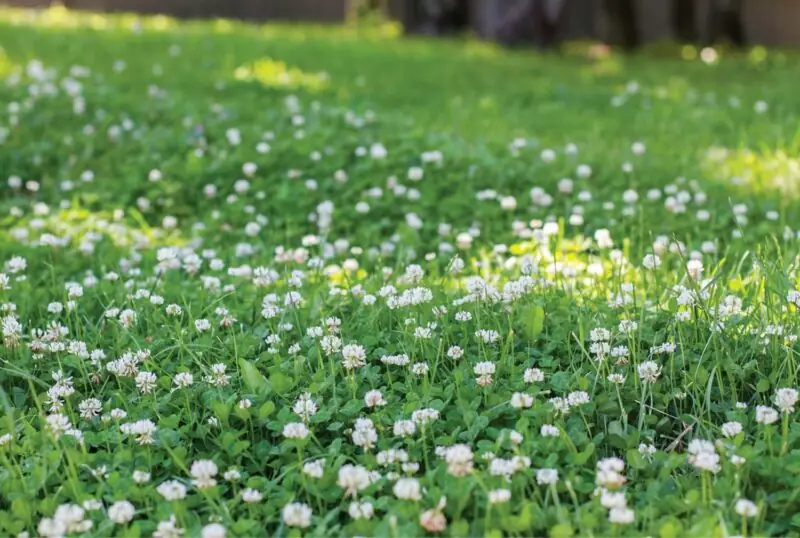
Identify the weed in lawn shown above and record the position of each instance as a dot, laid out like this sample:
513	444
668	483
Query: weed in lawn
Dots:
262	280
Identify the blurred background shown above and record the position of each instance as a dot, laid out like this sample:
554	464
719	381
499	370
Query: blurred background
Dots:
543	23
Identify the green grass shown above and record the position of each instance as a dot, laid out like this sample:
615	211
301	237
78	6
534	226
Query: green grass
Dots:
147	257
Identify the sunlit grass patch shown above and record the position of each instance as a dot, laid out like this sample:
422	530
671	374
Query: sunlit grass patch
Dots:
756	171
276	74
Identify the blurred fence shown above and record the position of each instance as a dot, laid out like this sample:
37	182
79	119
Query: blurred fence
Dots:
769	22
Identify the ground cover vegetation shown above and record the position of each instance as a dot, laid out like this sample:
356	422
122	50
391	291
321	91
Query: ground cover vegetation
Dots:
275	280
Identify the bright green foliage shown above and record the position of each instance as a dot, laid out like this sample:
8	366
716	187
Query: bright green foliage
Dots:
415	285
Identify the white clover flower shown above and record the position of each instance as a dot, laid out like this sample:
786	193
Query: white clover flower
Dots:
127	318
144	430
183	380
146	382
793	297
296	515
218	377
213	530
231	475
646	450
314	469
746	508
616	378
172	490
695	269
766	415
515	437
487	336
121	512
613	499
560	405
168	529
361	510
533	375
609	473
304	406
374	398
203	473
408	489
92	504
621	516
364	434
72	518
546	477
378	151
463	316
391	456
703	455
499	496
738	460
423	333
295	430
352	479
455	352
599	334
404	428
651	261
141	477
331	344
484	368
548	430
731	429
459	459
424	416
649	371
520	400
251	496
577	398
785	400
420	368
547	155
90	408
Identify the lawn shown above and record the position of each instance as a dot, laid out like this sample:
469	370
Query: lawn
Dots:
283	280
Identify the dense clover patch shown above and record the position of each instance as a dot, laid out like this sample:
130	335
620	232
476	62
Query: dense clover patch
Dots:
242	302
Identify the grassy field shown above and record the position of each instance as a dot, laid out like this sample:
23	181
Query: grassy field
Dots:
283	280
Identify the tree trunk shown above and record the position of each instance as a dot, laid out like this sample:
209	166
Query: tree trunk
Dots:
517	22
622	16
548	17
456	18
725	22
683	20
530	21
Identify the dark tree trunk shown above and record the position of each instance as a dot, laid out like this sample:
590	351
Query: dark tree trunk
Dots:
439	17
531	21
725	22
548	20
622	16
456	18
517	22
683	20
